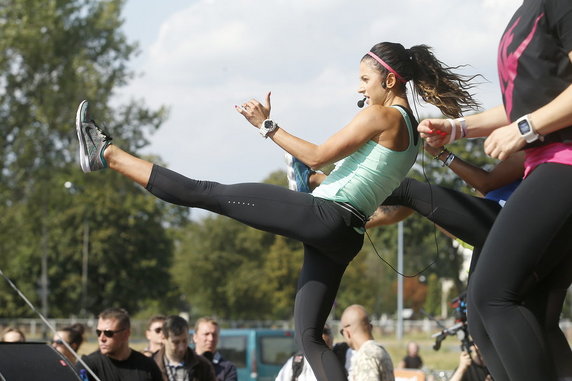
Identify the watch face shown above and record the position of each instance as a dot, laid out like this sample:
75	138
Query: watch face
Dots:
523	126
268	124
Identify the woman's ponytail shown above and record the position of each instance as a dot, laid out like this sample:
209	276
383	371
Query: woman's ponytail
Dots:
435	82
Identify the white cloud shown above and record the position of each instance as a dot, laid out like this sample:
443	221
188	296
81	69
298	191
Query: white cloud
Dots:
213	54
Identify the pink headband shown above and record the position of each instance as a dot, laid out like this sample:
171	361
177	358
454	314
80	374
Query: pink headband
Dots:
382	63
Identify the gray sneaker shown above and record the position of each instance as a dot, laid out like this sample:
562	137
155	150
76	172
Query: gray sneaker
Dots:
298	174
92	141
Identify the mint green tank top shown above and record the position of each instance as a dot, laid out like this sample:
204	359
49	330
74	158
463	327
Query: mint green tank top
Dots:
366	177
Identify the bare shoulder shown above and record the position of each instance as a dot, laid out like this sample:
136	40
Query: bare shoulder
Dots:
381	117
383	112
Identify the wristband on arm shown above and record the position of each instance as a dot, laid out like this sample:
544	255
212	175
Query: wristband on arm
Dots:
449	159
463	124
453	131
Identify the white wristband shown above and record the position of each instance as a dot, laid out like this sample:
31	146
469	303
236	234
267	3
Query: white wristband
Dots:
463	124
453	131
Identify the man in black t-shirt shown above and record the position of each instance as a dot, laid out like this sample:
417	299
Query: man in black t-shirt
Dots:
115	360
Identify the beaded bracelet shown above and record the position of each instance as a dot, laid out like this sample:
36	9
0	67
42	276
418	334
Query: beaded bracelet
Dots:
436	157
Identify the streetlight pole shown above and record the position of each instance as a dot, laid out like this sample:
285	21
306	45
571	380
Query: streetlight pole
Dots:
85	256
85	253
44	283
399	330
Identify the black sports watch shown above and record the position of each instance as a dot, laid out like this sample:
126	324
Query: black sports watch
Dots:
267	127
526	130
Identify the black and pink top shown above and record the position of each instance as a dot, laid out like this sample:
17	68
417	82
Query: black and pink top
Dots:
534	68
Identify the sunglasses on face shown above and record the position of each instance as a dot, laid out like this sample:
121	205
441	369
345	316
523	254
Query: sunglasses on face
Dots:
108	332
57	342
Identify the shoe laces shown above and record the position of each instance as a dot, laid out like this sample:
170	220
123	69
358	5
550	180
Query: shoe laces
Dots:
106	136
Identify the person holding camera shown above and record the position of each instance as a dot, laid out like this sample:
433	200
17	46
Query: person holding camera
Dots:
471	367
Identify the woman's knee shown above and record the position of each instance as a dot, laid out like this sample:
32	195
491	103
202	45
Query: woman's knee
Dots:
477	297
310	338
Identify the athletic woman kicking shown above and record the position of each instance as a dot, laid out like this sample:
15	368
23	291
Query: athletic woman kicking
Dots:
374	151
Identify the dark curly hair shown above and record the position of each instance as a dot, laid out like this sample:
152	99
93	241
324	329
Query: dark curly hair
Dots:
433	81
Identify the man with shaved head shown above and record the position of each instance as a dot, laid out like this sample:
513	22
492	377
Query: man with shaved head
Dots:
370	362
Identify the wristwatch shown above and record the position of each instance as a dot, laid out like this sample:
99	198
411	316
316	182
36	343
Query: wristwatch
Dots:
267	127
526	130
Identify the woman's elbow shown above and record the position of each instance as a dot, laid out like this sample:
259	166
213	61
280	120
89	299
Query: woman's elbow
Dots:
316	163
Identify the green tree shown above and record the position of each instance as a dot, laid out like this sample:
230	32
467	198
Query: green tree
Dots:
281	269
433	302
52	55
219	265
360	285
228	269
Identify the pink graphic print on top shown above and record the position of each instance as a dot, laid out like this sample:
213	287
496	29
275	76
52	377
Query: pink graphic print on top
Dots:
508	63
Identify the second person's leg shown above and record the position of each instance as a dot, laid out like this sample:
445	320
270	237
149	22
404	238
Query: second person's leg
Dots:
466	217
519	246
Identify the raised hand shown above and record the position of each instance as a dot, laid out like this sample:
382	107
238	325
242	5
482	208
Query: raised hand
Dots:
254	111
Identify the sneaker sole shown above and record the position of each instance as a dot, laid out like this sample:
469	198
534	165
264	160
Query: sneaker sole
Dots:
83	159
290	172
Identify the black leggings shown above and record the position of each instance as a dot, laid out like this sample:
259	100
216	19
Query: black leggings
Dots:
528	251
471	218
325	228
467	217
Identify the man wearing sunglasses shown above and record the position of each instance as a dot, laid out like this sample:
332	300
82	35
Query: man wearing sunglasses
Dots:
153	335
115	360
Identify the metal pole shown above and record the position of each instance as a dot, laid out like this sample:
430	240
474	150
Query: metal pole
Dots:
85	252
44	285
84	267
399	330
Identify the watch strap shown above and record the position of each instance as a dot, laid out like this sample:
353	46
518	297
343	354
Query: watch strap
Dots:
264	131
530	135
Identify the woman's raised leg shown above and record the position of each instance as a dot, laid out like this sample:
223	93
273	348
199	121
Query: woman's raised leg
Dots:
136	169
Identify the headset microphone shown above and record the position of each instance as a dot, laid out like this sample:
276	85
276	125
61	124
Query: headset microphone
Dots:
361	103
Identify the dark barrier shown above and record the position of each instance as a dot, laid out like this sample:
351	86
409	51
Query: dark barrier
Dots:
34	361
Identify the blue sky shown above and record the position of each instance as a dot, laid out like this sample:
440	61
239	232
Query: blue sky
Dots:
202	57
